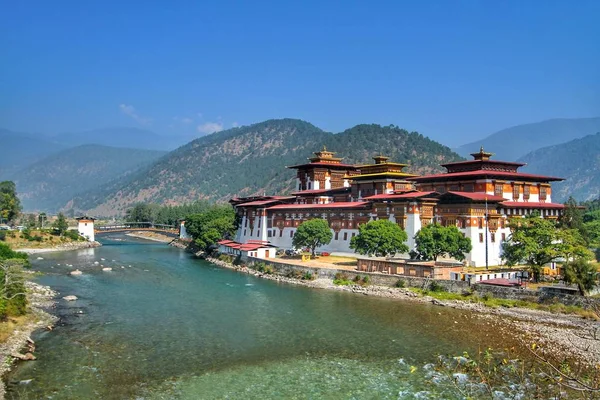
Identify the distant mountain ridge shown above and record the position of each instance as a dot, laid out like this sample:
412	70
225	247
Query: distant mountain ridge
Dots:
578	161
53	181
19	149
512	143
252	159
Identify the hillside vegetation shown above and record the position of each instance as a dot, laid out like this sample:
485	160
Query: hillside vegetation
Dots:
252	159
512	143
578	161
53	181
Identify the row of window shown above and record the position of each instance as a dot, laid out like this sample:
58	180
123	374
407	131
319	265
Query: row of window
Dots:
492	237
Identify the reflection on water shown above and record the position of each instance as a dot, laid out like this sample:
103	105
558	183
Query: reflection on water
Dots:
162	324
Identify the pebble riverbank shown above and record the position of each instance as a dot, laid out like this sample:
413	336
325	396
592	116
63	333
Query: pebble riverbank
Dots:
62	247
560	335
19	345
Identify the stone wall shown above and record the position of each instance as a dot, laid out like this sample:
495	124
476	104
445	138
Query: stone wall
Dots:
452	286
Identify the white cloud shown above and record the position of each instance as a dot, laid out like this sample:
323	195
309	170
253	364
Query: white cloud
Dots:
130	111
210	127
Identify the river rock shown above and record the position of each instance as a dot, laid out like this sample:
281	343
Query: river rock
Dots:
40	258
107	269
76	272
24	357
70	298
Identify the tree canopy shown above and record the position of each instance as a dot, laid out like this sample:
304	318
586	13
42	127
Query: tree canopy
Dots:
434	240
380	238
211	225
10	206
312	234
536	241
581	273
60	225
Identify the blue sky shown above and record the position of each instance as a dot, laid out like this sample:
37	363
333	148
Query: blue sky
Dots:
453	70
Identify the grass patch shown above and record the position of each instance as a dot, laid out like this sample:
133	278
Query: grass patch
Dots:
13	323
342	279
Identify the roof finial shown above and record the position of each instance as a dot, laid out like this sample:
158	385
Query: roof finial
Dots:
324	148
481	149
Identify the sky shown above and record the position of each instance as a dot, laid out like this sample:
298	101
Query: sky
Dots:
455	71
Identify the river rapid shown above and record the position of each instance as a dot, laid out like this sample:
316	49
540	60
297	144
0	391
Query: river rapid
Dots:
164	325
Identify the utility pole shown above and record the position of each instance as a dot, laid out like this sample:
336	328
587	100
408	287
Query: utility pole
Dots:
486	231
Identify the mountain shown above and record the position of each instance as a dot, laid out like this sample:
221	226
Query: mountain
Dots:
53	181
252	159
513	143
122	137
18	149
578	161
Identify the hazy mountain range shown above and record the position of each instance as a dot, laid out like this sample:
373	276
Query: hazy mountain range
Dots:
127	165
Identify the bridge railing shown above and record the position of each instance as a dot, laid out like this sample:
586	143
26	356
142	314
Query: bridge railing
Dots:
136	225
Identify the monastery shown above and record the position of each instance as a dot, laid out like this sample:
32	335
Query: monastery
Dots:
478	196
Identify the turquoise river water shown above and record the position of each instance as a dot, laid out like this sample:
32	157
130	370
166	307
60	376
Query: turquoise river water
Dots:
164	325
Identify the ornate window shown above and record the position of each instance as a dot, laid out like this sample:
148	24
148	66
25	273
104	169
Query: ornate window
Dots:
516	192
526	192
543	193
498	189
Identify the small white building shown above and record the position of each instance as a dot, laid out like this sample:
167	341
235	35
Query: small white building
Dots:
183	232
85	227
252	248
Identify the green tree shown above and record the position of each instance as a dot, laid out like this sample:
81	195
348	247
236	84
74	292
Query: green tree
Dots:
536	241
582	273
10	206
142	212
42	217
60	225
434	240
312	234
211	225
380	238
572	216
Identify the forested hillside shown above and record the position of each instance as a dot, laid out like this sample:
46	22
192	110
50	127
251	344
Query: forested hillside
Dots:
252	159
512	143
53	181
578	161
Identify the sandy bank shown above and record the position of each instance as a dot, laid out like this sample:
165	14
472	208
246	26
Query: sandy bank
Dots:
157	237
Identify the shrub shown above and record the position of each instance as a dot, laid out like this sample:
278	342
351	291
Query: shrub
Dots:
342	279
225	258
400	283
436	287
308	276
2	235
366	279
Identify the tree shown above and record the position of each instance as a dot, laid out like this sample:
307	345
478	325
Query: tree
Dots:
380	238
60	225
572	216
535	241
312	234
10	206
434	240
211	225
142	212
582	273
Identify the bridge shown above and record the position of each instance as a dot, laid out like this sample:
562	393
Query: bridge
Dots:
168	230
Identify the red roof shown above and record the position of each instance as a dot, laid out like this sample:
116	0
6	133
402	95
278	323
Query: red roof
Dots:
484	173
341	204
399	196
251	245
324	164
525	204
476	196
258	203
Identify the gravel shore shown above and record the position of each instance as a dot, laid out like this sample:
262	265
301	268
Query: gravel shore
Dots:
62	247
19	345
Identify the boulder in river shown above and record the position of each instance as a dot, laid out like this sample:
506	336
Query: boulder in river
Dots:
107	269
24	357
76	272
70	298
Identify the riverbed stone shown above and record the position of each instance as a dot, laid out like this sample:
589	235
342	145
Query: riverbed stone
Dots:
70	298
76	272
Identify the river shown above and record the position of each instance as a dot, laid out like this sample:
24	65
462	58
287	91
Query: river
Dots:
165	325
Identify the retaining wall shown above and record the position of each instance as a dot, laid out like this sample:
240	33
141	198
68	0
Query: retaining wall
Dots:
452	286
